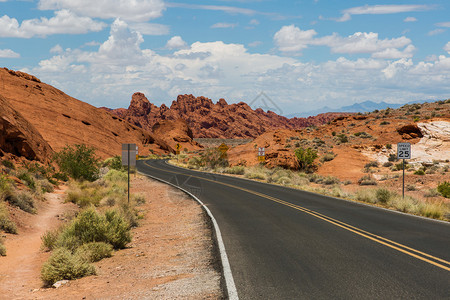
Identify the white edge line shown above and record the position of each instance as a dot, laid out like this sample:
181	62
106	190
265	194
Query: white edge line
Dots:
229	281
314	193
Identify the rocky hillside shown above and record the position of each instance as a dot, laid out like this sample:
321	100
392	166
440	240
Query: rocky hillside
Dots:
213	120
60	119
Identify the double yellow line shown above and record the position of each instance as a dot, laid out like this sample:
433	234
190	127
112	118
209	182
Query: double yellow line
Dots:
441	263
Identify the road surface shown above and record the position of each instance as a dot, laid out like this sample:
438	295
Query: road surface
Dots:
284	243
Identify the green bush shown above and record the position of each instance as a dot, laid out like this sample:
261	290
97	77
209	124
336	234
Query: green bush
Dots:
27	179
419	172
367	180
383	195
45	186
444	189
50	239
330	180
8	164
387	164
238	170
89	226
342	138
371	164
255	175
79	162
329	156
392	157
63	265
388	146
23	200
94	251
6	224
61	176
305	158
114	162
115	176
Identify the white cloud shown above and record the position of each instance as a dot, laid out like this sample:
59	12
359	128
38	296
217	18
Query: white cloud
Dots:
292	39
136	10
8	53
64	22
380	10
57	49
176	42
254	22
227	9
255	44
108	76
443	24
436	31
224	25
410	19
447	47
150	28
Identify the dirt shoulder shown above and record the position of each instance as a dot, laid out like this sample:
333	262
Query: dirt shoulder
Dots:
171	257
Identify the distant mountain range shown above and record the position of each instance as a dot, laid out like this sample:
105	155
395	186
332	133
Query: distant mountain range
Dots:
366	106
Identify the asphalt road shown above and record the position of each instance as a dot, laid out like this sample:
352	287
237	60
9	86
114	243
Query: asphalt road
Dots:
288	244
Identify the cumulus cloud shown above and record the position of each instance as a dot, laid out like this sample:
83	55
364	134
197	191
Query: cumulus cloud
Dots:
380	10
110	74
57	49
176	42
292	39
136	10
447	47
64	22
8	53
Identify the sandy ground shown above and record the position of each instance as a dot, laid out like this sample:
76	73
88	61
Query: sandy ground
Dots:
172	255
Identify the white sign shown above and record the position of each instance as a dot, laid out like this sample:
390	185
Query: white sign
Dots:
129	150
404	151
261	151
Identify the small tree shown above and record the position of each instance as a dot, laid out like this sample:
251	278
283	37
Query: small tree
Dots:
79	162
306	158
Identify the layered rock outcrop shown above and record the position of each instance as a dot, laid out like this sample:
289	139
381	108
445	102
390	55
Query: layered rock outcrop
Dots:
19	137
61	119
214	120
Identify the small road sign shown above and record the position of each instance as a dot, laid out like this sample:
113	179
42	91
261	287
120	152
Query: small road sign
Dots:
223	148
178	147
261	151
129	152
403	150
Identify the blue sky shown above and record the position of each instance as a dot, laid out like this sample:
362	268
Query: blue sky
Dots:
302	54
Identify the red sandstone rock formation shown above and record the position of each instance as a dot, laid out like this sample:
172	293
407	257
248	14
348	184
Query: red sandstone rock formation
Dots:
209	120
19	137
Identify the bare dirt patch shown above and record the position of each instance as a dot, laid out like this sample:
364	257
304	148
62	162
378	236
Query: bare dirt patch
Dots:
171	257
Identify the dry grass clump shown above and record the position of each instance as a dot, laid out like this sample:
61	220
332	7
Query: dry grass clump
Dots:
2	248
6	224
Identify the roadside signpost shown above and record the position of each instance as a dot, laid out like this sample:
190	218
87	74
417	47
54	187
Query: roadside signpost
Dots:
261	154
223	148
403	152
129	155
178	147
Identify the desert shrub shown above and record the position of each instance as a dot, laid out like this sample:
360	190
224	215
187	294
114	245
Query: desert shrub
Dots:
115	176
366	195
62	265
27	178
95	251
45	185
330	180
79	162
432	193
9	164
387	164
333	133
419	172
50	239
342	138
411	187
89	226
239	170
371	164
139	199
367	180
2	248
23	200
329	156
305	158
388	146
6	224
444	189
61	176
114	162
255	175
84	196
392	157
383	195
384	123
416	119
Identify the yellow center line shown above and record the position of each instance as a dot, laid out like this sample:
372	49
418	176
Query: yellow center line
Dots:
358	231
